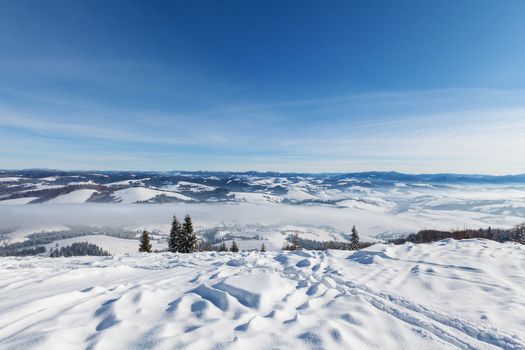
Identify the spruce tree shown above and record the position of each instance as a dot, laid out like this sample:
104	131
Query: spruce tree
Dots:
296	244
520	233
234	248
175	235
189	239
263	248
222	247
145	245
354	245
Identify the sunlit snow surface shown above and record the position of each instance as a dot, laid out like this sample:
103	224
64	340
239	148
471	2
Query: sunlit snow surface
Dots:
445	295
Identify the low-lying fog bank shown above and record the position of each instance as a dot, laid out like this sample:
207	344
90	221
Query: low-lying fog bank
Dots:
26	219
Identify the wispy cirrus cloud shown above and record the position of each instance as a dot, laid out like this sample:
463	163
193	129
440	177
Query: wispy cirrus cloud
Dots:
443	130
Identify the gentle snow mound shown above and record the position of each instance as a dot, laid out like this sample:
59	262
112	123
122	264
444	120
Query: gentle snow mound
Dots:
257	290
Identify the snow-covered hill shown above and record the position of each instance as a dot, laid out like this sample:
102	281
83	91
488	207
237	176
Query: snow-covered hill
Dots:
446	295
321	206
392	192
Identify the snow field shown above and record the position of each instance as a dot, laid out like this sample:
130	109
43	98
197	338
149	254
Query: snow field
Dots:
445	295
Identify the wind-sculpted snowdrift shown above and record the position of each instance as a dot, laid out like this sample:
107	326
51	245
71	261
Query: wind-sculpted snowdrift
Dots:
446	295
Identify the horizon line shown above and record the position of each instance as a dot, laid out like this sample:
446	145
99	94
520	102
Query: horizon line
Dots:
265	172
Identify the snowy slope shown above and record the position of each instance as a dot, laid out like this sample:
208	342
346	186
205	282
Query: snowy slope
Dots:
113	245
21	233
10	179
255	197
189	186
128	182
446	295
78	196
141	194
16	201
296	194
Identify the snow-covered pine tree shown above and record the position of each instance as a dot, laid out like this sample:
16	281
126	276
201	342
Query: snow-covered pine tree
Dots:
354	245
145	245
175	235
189	239
222	247
263	248
234	248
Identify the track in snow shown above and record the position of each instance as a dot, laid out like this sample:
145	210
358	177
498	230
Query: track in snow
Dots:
455	295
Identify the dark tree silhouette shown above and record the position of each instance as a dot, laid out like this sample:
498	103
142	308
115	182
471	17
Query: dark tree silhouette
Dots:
175	235
234	248
189	239
79	249
520	233
145	245
355	239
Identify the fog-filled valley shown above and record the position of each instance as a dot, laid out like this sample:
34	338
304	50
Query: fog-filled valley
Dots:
252	207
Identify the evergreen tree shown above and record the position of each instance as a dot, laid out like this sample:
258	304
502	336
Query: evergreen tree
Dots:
175	235
145	245
296	244
354	245
263	248
520	233
222	247
189	240
234	248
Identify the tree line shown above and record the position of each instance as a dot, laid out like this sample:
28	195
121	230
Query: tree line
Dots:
182	239
79	249
23	251
515	234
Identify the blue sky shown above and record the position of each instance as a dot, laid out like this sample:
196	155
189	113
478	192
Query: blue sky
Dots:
412	86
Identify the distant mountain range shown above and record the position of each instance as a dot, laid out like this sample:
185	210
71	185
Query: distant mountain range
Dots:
251	206
55	186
